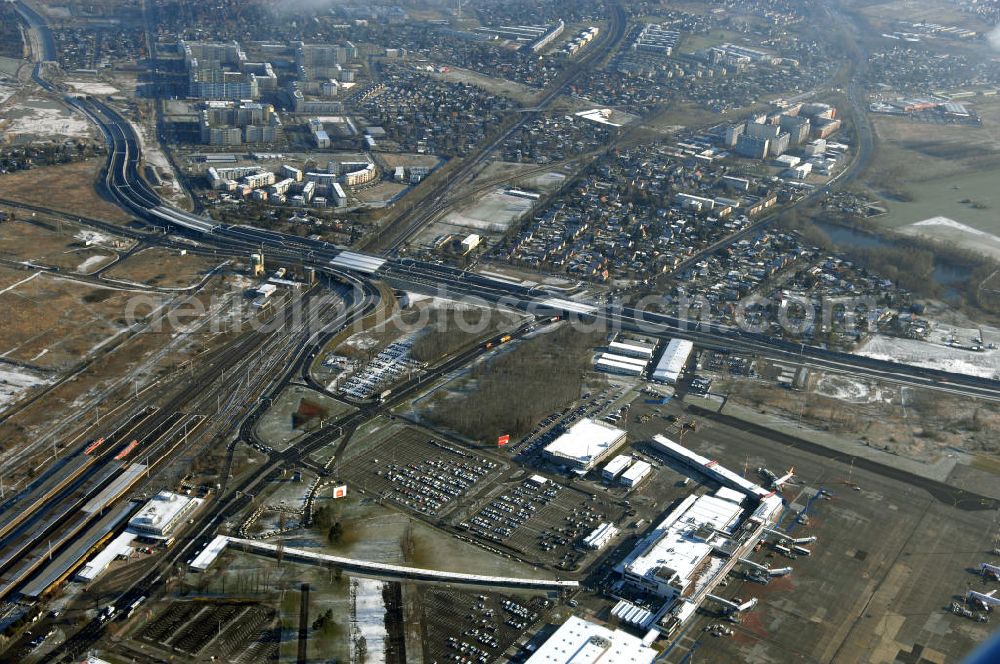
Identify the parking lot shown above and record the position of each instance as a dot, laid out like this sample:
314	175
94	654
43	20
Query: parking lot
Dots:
465	627
605	405
420	472
231	631
543	521
389	366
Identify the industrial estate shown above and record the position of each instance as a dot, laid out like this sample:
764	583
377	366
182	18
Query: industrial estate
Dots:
499	331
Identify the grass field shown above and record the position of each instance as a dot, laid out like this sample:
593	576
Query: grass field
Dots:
930	170
164	268
692	43
67	246
969	198
55	323
66	188
917	11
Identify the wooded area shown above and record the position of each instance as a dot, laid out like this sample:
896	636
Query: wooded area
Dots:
514	390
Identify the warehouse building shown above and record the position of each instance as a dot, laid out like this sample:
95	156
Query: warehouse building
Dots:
673	360
616	466
600	536
584	445
636	473
634	349
619	364
580	641
162	514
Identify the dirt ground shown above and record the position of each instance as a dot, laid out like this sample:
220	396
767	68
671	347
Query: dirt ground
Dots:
44	240
516	91
53	322
381	193
66	188
106	383
922	425
165	268
295	412
393	160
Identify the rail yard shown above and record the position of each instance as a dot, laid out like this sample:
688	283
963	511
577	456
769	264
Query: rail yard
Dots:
500	332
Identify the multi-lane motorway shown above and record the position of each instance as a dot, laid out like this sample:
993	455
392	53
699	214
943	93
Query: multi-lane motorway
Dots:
123	182
130	190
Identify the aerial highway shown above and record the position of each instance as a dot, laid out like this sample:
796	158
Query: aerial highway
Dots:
125	184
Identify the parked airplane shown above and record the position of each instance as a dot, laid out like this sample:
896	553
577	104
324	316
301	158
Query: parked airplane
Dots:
984	601
775	482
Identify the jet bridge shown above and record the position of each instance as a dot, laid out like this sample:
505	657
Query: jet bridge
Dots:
788	538
733	607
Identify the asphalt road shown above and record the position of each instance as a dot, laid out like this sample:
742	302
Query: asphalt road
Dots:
124	183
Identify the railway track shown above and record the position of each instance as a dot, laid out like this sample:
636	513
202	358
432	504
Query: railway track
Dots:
401	230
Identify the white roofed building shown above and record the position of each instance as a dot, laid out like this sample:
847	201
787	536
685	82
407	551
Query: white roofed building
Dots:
617	466
162	514
636	473
579	641
585	444
673	360
619	364
120	547
600	536
670	560
632	349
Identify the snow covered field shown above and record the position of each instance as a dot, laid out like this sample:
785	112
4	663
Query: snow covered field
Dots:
492	213
42	118
92	263
849	389
92	237
368	621
946	348
93	87
6	91
14	382
949	230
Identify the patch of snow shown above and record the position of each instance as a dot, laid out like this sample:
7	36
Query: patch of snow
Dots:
494	212
957	225
14	382
93	87
368	621
443	302
599	115
46	122
92	237
6	92
91	263
919	353
362	341
846	388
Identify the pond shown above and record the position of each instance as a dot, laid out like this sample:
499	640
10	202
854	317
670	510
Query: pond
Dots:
949	275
